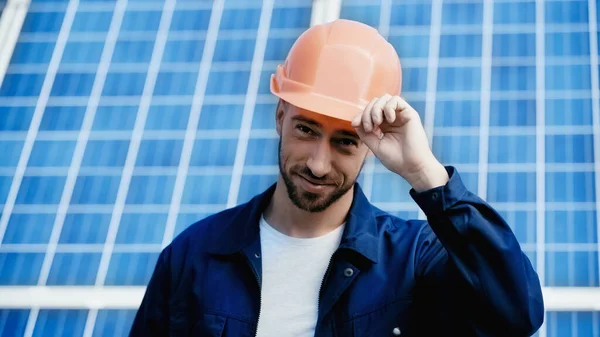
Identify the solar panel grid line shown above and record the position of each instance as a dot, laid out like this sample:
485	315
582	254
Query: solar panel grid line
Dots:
74	37
134	145
124	184
53	66
226	66
250	102
11	21
46	7
432	74
407	62
81	248
499	28
573	130
180	35
37	117
292	3
87	6
146	208
90	322
569	191
529	167
563	247
263	98
290	33
325	11
566	28
486	88
595	78
570	61
194	119
155	248
271	170
550	206
5	7
383	28
30	209
229	66
204	208
520	1
82	139
540	263
117	298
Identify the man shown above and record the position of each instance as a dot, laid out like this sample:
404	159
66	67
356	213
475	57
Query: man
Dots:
312	257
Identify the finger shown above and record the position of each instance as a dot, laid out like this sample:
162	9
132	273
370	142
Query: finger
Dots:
357	118
369	138
378	132
404	111
366	116
376	116
390	109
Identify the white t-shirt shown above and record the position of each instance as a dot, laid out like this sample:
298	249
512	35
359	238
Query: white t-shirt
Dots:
292	272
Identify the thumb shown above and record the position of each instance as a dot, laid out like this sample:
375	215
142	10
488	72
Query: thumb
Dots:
371	139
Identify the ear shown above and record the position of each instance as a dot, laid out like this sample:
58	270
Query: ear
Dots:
279	114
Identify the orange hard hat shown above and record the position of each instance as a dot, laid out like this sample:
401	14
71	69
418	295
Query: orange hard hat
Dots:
336	68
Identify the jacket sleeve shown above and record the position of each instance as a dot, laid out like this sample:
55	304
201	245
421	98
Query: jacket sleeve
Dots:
152	317
471	267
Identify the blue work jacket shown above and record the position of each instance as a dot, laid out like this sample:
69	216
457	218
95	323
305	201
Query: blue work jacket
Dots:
460	273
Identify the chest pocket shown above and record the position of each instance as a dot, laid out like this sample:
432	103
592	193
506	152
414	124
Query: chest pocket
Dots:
222	326
210	326
391	320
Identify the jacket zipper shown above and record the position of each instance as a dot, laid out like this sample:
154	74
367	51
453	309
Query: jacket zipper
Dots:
325	276
259	292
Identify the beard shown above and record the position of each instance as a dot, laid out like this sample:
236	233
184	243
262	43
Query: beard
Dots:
308	201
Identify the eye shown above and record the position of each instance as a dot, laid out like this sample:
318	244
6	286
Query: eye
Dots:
347	142
304	129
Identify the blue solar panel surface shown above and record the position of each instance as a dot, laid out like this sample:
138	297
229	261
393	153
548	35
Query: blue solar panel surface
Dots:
123	122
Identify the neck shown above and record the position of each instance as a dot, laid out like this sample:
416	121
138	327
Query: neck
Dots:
283	215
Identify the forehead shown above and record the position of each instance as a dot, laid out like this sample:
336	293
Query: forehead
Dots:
326	123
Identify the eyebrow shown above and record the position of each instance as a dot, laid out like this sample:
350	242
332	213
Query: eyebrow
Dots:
349	134
307	121
317	124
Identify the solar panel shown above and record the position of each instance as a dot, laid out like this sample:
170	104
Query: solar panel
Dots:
511	105
123	122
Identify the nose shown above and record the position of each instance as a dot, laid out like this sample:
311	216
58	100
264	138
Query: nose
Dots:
320	161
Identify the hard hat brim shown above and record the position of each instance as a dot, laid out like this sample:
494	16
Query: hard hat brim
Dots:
308	100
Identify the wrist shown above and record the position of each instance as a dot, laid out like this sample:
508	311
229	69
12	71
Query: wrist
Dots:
430	176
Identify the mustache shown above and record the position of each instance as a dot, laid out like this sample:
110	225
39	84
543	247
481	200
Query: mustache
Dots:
325	180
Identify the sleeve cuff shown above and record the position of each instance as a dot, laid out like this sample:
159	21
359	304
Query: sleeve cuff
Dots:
439	199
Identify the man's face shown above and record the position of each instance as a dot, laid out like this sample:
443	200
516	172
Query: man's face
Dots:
319	157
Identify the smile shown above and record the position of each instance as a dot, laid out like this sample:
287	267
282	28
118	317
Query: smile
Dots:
310	186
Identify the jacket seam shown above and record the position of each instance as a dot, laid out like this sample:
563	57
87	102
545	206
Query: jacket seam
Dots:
401	299
228	315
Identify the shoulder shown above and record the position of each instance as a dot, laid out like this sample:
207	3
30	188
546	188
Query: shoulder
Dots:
409	240
187	250
392	223
205	230
398	229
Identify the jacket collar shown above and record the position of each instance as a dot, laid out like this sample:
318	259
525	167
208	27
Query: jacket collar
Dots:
241	228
